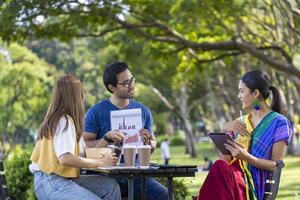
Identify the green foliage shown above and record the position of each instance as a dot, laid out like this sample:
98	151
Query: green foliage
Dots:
84	58
180	188
25	84
160	139
192	51
30	193
176	140
159	111
19	178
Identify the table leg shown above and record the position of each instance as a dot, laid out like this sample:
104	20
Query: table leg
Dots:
170	188
143	189
130	189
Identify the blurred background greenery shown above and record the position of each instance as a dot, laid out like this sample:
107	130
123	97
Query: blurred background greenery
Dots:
187	56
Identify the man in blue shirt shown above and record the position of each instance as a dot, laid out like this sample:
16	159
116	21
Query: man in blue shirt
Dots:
119	81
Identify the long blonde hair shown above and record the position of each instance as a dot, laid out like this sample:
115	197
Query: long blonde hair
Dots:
67	100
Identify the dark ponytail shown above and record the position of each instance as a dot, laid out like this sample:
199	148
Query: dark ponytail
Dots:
277	104
256	79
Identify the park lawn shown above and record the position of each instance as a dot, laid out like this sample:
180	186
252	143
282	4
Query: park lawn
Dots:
290	177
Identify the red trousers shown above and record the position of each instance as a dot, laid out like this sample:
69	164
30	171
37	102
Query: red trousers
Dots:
223	182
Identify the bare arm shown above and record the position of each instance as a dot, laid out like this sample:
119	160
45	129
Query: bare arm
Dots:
71	160
152	142
237	126
278	152
148	138
91	141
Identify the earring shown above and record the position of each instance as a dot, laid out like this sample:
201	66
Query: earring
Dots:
256	105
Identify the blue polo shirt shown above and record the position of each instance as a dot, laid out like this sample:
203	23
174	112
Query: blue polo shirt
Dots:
97	118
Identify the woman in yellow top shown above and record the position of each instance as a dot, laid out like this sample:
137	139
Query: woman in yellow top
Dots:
56	157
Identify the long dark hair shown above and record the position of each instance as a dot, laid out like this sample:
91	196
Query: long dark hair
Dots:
258	80
67	100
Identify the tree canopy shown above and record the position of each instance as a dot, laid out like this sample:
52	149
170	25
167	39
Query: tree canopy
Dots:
190	54
208	30
25	82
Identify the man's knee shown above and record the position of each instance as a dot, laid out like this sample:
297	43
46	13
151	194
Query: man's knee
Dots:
156	190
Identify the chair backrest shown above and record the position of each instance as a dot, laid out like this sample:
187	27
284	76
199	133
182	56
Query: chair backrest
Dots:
272	182
3	185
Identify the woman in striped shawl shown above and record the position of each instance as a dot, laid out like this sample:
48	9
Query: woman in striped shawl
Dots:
261	138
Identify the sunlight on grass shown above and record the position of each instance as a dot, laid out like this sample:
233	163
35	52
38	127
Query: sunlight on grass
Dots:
290	178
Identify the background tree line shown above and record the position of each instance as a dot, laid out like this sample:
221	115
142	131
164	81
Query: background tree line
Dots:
188	56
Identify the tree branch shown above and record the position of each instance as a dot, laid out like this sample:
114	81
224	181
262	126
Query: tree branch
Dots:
295	12
200	61
281	66
100	34
162	98
281	50
168	34
293	29
226	45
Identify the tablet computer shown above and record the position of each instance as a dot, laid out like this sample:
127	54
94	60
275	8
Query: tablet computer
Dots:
219	140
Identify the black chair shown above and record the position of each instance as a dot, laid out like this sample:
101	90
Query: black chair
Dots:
272	182
3	186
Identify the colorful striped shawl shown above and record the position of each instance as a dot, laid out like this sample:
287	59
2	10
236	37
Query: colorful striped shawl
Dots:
273	127
262	140
249	183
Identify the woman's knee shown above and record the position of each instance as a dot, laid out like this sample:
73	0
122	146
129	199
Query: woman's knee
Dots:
113	186
111	182
41	186
220	164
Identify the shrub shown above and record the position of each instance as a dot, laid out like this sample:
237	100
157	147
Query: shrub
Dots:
160	139
176	140
180	189
19	178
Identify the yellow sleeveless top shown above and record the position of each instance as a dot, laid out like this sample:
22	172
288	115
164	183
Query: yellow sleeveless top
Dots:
44	156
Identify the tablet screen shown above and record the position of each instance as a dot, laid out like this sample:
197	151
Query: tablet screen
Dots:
219	140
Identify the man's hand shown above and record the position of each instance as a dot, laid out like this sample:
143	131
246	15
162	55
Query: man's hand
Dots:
146	136
115	135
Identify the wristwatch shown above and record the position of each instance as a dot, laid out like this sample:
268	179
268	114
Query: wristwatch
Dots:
108	140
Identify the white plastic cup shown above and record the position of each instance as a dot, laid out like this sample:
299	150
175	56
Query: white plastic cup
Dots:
144	155
129	152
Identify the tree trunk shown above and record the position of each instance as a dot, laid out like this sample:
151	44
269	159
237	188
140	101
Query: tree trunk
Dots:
188	127
216	114
290	113
182	114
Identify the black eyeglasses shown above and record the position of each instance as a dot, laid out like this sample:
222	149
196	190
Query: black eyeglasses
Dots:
127	83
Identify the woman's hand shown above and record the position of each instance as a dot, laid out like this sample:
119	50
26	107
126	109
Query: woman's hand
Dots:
236	126
107	160
237	150
104	160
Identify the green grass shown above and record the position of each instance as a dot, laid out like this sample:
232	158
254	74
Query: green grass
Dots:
290	177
